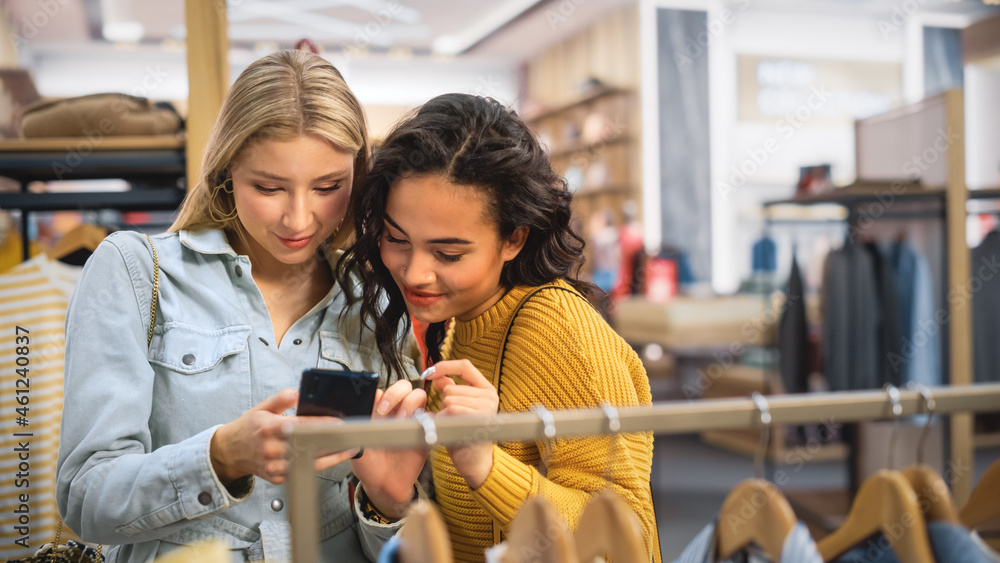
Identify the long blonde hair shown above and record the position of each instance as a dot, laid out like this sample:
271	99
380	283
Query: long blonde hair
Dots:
278	97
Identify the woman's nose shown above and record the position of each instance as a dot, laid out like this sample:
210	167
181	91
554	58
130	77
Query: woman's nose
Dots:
418	270
298	215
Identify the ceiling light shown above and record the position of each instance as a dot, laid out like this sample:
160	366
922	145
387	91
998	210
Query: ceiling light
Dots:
128	31
447	45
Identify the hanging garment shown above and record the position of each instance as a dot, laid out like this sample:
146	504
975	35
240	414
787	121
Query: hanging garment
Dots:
34	297
889	332
851	320
920	357
949	542
985	287
799	548
793	337
765	255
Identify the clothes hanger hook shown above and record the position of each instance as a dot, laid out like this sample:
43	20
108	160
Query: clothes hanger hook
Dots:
614	422
897	410
430	429
929	405
614	425
548	429
548	421
760	401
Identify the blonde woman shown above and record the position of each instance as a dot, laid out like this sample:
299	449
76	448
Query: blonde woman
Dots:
175	436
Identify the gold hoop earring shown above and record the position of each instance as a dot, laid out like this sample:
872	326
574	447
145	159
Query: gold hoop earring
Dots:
214	206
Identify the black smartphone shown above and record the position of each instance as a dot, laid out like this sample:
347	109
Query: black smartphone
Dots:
343	394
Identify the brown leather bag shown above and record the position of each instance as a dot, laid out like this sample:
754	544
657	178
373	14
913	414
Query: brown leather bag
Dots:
98	115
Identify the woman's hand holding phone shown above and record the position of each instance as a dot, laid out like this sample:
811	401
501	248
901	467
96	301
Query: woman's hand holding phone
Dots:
388	475
256	443
474	460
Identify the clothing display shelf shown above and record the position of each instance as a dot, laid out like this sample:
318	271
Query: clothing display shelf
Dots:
592	141
884	144
153	166
676	417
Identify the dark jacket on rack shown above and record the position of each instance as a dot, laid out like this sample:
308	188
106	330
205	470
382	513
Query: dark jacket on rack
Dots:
889	331
794	335
986	309
851	320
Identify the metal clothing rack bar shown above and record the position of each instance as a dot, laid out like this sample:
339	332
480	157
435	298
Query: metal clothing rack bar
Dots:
676	417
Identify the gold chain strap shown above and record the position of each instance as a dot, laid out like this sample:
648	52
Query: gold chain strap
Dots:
59	527
156	289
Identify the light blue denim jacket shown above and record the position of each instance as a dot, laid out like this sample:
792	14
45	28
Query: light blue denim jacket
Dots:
133	468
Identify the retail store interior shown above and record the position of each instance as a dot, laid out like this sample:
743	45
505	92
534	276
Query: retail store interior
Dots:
780	197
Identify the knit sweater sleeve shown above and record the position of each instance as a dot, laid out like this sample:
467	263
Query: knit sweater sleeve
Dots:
562	355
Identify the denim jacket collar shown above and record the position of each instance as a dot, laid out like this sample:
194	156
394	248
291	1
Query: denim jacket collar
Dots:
207	241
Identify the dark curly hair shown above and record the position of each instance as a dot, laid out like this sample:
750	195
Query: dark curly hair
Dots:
471	141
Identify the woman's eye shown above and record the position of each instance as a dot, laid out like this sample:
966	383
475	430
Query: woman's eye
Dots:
264	190
450	257
328	189
394	240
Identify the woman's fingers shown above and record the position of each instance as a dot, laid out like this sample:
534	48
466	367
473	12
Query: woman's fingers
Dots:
329	460
462	369
417	399
279	402
392	398
466	405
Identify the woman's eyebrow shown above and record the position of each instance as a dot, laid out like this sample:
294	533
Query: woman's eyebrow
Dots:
449	240
395	225
331	176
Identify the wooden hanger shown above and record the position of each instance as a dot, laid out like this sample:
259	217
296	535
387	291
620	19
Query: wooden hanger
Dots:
424	537
539	535
754	512
608	527
984	504
932	492
885	503
84	237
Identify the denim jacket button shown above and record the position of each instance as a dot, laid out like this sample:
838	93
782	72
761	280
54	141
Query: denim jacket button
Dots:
297	341
205	498
188	359
239	271
277	505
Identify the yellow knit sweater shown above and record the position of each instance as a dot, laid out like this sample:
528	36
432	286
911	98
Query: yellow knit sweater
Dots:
560	354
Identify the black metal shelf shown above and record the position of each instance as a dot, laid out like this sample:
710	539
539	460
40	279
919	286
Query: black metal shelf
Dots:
160	167
154	168
132	200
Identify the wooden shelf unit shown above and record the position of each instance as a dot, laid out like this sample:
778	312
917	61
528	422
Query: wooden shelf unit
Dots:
584	105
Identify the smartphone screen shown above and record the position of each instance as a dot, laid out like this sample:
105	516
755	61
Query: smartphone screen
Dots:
342	394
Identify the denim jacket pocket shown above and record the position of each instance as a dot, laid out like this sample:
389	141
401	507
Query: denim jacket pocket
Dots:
188	349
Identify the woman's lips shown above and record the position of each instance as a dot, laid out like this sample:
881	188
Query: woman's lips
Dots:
420	299
295	243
